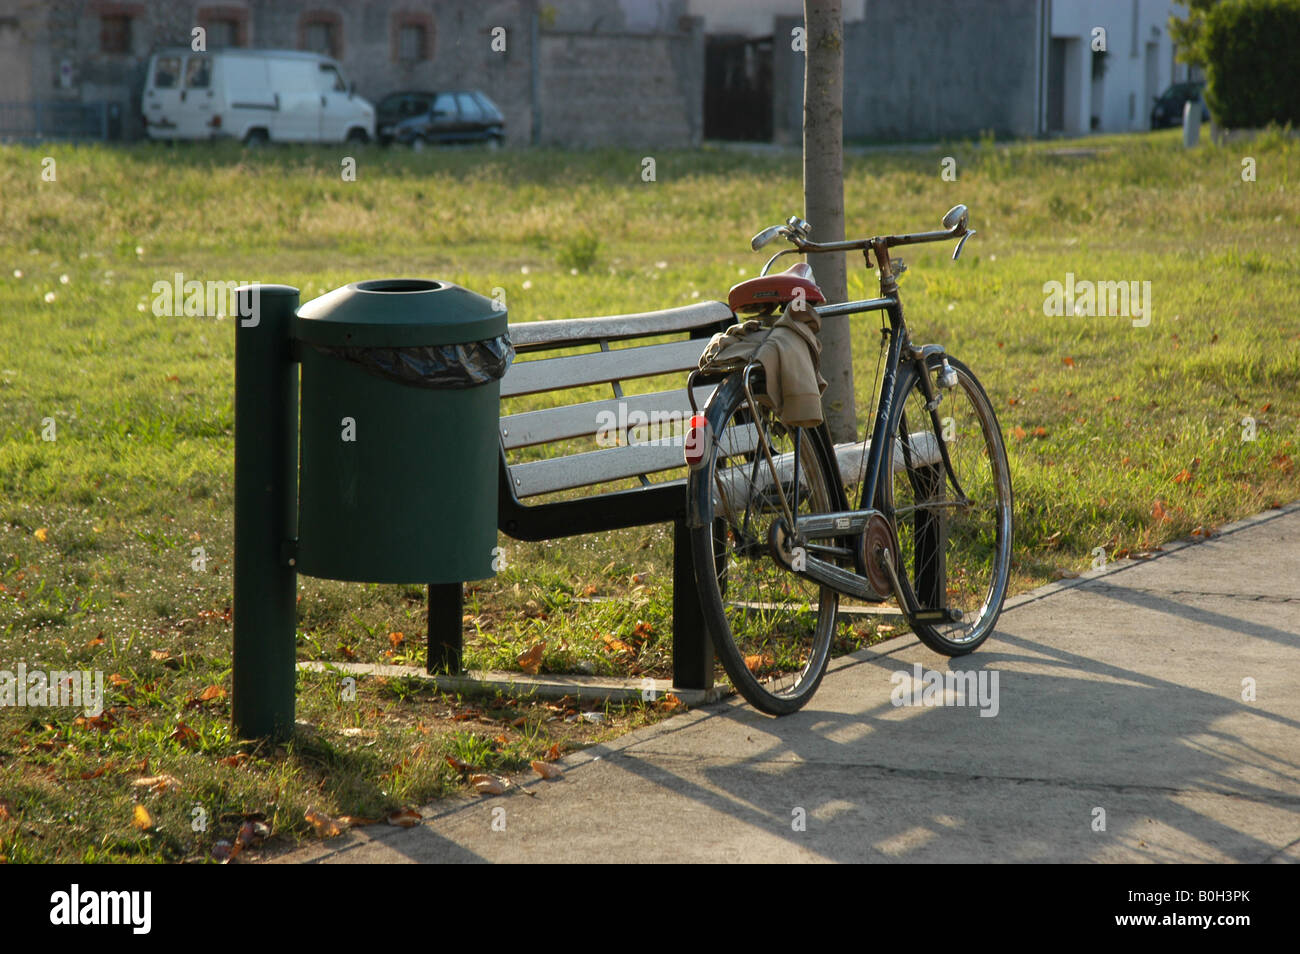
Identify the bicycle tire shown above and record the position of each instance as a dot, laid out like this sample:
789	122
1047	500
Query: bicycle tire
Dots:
951	556
771	628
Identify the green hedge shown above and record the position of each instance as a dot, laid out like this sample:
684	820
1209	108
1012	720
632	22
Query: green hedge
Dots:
1252	53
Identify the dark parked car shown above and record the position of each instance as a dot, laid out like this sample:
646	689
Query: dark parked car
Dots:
417	119
1168	110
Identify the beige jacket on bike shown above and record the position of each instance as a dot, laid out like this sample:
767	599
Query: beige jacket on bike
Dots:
790	353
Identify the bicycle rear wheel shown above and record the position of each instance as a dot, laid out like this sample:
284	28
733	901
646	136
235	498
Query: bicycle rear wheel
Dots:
771	628
954	551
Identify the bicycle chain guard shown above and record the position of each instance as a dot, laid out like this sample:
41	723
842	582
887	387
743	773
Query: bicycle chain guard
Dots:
876	536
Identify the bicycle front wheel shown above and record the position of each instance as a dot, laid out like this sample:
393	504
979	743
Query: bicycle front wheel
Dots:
771	628
954	540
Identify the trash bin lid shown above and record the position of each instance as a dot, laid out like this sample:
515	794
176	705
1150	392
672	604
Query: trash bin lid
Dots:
397	312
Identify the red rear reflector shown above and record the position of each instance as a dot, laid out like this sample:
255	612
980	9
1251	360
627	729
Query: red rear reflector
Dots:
215	121
697	441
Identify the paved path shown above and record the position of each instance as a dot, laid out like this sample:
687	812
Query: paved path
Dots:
1121	692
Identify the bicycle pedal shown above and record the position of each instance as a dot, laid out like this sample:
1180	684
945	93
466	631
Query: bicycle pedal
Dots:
951	615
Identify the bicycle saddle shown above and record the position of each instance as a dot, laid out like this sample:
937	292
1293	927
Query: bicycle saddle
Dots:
769	292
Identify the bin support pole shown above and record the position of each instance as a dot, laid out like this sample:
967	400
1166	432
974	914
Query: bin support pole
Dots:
692	648
266	465
446	615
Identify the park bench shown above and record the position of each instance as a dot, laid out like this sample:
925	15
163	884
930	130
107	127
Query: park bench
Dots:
573	489
577	486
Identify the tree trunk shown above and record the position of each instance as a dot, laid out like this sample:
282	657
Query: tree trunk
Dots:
823	192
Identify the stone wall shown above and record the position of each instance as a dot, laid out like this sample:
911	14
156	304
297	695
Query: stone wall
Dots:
629	89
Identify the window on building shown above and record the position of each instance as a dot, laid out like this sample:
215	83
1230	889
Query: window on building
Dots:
115	33
322	32
412	38
411	43
222	33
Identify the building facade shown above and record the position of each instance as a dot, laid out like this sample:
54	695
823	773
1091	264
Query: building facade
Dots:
580	77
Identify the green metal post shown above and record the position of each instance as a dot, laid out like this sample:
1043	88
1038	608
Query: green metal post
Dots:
266	466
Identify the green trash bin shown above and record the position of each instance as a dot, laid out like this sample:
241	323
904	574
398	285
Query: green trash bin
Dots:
399	444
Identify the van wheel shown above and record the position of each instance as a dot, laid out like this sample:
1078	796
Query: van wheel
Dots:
494	142
358	136
256	138
418	143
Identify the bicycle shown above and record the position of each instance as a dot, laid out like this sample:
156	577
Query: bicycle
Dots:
775	541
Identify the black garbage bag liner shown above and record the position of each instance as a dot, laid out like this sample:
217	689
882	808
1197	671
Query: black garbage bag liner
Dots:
437	367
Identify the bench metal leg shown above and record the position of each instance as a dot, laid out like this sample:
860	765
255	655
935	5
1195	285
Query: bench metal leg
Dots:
446	612
692	648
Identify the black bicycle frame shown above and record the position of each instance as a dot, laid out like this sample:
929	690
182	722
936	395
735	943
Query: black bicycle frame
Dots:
897	339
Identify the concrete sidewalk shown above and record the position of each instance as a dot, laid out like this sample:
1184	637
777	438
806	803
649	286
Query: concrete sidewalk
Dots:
1119	693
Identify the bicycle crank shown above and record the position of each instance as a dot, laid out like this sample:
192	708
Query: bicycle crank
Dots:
804	554
943	615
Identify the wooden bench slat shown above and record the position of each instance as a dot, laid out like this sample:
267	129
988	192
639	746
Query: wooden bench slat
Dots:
735	480
595	467
600	367
573	331
530	428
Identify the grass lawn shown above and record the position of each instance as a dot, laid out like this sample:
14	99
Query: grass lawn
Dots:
1120	437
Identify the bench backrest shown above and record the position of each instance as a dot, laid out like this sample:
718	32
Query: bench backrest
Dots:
616	352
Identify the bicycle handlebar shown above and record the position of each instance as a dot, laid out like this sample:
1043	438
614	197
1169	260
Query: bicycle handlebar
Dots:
956	226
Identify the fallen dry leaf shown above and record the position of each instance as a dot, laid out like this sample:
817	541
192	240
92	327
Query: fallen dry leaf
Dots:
530	661
355	821
184	735
1061	573
669	702
615	645
97	641
223	851
1183	476
212	692
489	784
553	752
405	818
457	764
1068	361
42	534
324	825
546	770
252	833
160	654
1018	433
396	639
158	783
141	819
758	661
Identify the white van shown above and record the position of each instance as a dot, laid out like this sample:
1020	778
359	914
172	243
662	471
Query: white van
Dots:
254	96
